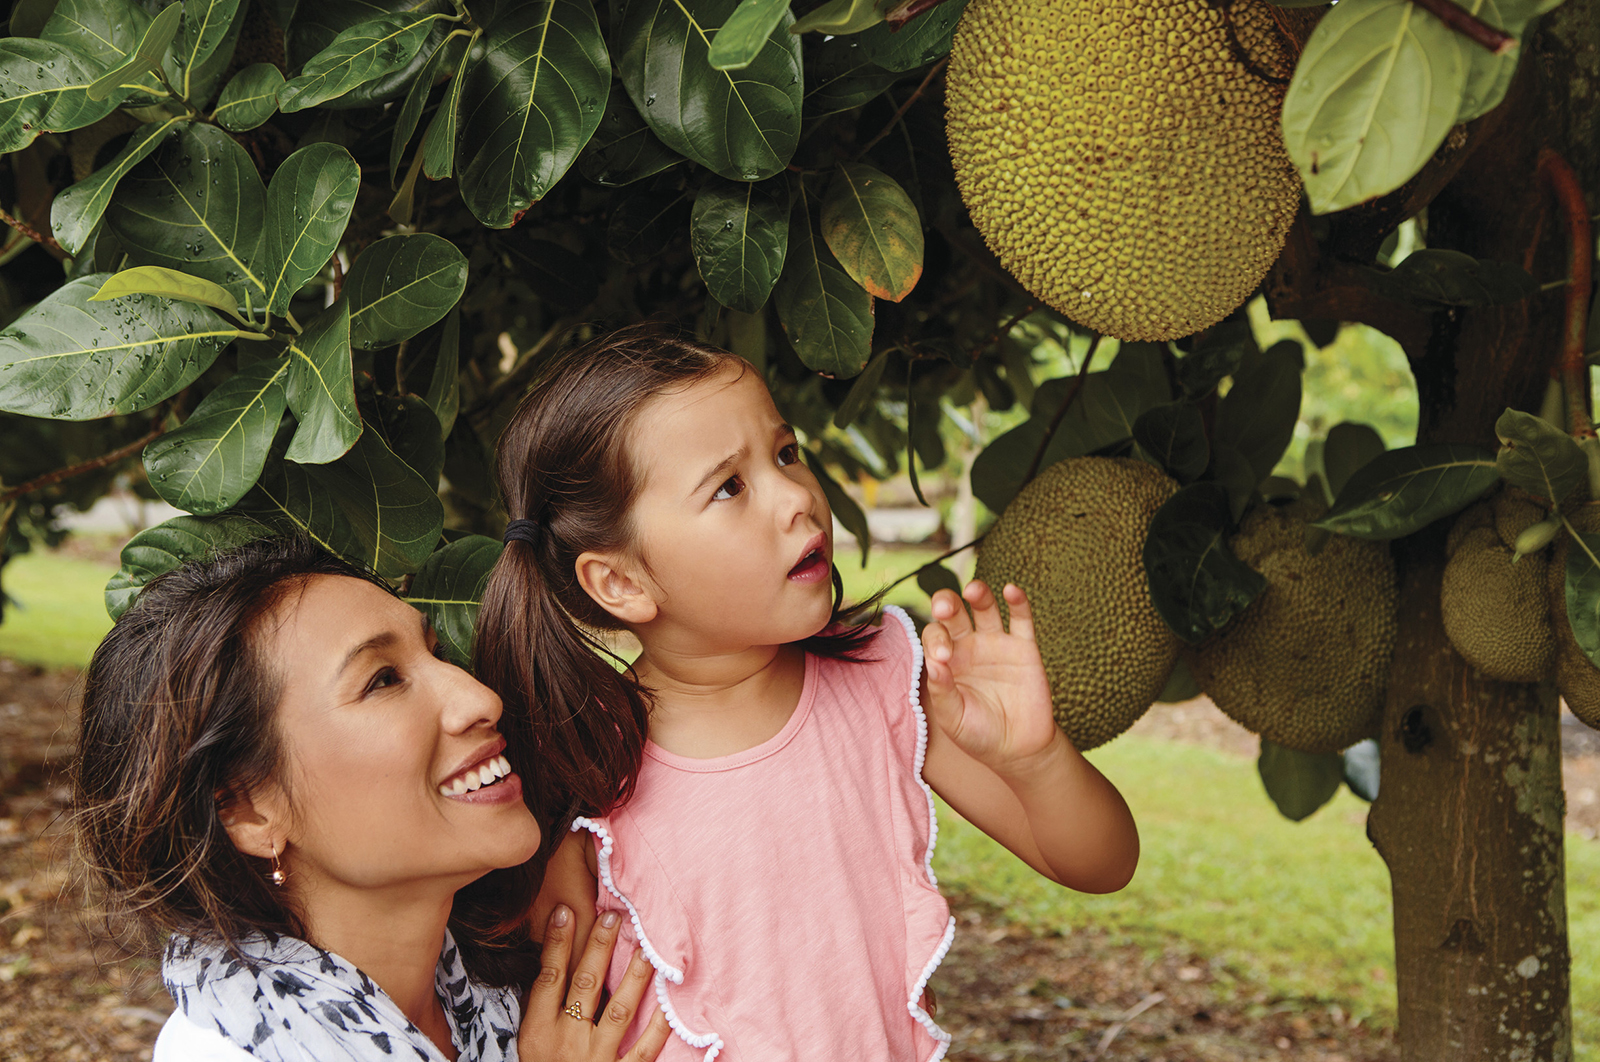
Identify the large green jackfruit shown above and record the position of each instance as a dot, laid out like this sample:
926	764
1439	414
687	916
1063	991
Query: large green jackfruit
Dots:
1121	158
1073	539
1307	664
1496	613
1576	678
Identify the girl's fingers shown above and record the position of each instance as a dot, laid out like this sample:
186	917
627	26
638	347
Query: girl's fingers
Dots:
947	608
590	974
544	1001
985	613
1021	611
654	1038
619	1012
937	645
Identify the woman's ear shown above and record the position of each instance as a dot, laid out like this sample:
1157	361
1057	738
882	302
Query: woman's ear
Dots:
614	589
253	821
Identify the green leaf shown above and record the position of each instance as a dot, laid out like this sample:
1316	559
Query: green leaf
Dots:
444	390
1582	592
840	17
439	139
369	506
530	106
1299	782
1405	490
1489	75
744	127
250	98
197	206
211	462
742	37
321	389
106	31
315	25
30	17
844	507
1258	414
826	315
1361	769
739	233
78	209
1538	457
645	220
1432	278
623	149
207	26
158	37
1181	685
449	587
563	278
1349	447
863	391
1196	583
933	577
44	88
1375	91
160	549
308	205
1236	475
405	123
916	43
873	229
72	359
168	283
1175	435
401	285
411	430
362	53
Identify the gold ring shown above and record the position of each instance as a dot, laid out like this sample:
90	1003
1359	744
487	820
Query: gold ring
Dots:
572	1010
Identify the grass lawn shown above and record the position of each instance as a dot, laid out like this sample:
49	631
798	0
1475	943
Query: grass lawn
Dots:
1301	907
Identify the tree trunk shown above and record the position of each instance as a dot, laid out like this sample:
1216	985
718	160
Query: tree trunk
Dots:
1470	807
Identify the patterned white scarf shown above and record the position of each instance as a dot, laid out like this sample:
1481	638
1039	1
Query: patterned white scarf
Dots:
297	1003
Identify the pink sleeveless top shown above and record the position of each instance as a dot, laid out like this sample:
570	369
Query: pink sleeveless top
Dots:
784	894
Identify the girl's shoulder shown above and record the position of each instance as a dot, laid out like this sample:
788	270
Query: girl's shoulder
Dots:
887	662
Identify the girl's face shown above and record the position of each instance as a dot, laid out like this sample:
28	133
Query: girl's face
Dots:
733	527
392	755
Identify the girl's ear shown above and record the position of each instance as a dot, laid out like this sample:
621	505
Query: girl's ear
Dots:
614	589
254	822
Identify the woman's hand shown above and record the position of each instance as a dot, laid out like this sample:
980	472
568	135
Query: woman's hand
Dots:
986	687
569	880
550	1033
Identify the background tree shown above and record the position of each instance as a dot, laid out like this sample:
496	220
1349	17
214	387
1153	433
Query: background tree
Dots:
298	261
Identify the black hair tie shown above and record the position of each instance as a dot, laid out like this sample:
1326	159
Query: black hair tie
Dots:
522	531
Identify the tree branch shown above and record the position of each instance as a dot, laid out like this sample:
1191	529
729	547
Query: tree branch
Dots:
1562	182
52	478
1470	26
1066	404
42	239
933	72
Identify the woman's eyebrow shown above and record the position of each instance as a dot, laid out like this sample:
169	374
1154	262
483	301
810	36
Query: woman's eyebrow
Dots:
377	641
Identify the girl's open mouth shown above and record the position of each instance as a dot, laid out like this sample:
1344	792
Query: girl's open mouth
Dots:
811	567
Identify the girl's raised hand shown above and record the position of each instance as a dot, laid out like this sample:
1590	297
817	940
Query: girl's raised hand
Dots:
551	1033
986	688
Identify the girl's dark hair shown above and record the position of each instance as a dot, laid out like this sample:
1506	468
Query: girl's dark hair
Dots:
179	706
563	464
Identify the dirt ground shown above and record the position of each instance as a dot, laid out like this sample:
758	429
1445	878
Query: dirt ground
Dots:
69	994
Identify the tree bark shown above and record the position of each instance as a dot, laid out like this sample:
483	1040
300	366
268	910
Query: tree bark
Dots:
1470	807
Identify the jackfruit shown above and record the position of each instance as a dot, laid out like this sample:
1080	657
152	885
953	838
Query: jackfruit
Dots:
1119	157
1307	664
1576	678
1495	612
1073	539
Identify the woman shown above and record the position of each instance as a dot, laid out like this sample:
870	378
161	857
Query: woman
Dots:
278	768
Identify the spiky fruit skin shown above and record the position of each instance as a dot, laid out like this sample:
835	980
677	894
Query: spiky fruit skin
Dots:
1073	539
1118	157
1495	612
1576	678
1307	664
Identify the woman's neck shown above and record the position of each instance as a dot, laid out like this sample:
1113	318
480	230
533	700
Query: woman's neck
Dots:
709	705
393	939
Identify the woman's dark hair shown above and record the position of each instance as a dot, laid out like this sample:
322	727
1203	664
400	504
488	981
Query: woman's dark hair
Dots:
563	464
180	706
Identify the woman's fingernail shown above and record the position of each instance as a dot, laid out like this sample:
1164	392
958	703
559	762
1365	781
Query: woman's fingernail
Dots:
609	919
561	916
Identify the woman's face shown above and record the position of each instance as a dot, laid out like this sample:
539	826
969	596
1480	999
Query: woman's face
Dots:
391	754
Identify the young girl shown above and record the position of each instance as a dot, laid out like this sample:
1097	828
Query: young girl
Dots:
759	760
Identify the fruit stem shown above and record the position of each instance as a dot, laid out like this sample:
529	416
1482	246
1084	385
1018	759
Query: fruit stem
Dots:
1557	174
905	10
1464	22
1066	403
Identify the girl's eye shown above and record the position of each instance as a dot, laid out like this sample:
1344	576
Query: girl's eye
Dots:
728	489
789	455
385	677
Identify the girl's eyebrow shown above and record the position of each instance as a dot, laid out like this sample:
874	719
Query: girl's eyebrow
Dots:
720	471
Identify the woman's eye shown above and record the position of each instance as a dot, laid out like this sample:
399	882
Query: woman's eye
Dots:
789	455
728	489
386	677
440	653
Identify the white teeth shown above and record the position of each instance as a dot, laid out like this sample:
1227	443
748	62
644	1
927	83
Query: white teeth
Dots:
491	771
458	787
